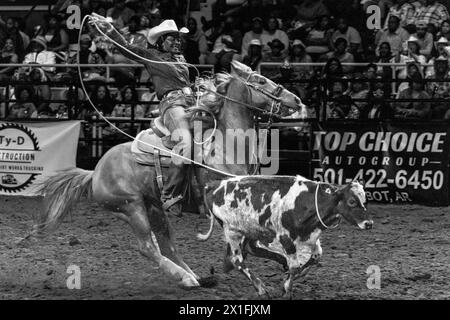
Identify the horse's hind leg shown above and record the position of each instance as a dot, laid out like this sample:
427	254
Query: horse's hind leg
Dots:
139	222
164	234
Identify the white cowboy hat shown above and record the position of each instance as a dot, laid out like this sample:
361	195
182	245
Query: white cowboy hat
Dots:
413	39
167	26
255	42
442	40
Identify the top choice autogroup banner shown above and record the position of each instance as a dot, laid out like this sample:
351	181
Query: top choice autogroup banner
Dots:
30	151
401	162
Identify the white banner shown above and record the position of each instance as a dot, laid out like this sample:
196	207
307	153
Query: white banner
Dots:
31	150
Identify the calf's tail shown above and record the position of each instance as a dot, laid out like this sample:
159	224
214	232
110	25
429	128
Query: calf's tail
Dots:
204	237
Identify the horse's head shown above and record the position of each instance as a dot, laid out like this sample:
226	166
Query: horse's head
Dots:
268	95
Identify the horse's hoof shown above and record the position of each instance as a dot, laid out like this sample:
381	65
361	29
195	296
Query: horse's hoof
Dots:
208	282
189	283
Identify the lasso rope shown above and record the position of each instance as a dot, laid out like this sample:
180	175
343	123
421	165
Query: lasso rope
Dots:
114	126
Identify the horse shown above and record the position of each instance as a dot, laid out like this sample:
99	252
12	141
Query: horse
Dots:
130	191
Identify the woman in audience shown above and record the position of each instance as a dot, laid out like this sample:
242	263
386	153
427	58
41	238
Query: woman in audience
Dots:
24	108
129	100
318	38
8	55
55	35
377	108
101	97
413	109
444	30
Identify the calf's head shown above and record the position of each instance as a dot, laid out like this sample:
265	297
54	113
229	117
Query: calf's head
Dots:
353	205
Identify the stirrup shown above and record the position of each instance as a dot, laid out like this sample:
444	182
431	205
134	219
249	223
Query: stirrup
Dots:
170	202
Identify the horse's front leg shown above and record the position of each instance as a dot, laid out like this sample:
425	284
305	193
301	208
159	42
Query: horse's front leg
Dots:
164	235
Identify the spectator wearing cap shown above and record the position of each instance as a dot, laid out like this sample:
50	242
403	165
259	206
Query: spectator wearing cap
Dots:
343	30
273	32
340	52
40	55
155	17
318	38
255	33
223	53
439	89
254	56
120	14
298	54
432	12
402	9
413	109
395	35
424	39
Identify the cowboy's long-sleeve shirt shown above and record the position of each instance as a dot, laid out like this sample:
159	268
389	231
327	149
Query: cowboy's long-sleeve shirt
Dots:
165	77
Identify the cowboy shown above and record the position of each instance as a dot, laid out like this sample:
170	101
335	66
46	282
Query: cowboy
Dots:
172	86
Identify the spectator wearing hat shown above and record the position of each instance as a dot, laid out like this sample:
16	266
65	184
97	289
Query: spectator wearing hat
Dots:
402	9
273	32
318	38
395	35
255	33
424	39
413	109
343	30
277	52
254	56
432	12
88	55
440	45
340	52
439	89
412	52
40	55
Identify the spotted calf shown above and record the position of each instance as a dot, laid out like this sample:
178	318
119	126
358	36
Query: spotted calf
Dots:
281	218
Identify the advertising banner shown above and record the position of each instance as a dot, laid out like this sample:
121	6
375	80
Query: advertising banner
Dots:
31	150
398	162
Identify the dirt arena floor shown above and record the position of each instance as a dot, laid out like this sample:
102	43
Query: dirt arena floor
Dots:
410	244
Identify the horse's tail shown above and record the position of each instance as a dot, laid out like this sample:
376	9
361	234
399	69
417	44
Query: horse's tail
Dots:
61	192
204	237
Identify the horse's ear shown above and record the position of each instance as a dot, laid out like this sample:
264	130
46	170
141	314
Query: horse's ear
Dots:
240	69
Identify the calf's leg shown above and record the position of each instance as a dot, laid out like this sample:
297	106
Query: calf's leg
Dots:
235	241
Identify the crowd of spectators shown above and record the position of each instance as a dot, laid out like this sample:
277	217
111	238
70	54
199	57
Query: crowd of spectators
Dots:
279	33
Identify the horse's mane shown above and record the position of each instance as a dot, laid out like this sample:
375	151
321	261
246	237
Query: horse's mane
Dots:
210	101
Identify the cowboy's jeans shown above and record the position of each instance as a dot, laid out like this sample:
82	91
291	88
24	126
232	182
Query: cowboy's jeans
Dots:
178	125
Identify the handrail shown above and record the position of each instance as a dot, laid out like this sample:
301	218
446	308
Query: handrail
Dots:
85	65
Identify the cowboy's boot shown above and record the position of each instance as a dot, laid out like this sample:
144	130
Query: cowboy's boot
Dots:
172	195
